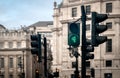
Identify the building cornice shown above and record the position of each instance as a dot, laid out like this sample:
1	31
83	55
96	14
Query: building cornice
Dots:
16	49
69	20
76	3
89	18
113	15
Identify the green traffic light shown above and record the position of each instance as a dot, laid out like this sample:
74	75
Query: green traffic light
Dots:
74	40
74	34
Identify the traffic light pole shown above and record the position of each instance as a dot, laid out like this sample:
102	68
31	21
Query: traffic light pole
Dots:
83	17
45	58
76	54
76	71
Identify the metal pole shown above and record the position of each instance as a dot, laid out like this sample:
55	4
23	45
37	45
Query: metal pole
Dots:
76	71
83	73
23	66
20	64
45	57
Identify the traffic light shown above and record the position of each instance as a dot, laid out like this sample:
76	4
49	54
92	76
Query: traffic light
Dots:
88	50
74	34
36	46
36	73
92	72
56	73
97	29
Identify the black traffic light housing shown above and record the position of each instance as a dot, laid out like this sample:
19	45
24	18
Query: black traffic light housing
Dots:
36	46
97	29
88	50
74	34
56	73
92	72
36	73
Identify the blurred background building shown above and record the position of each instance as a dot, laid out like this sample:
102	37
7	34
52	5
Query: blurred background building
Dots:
14	53
16	60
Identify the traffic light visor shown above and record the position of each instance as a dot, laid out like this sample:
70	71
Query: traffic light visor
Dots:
74	28
99	17
34	37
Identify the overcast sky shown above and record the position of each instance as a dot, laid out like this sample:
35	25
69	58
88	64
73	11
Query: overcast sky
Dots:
14	13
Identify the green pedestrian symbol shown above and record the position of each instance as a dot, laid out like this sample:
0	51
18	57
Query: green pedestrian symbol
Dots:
74	39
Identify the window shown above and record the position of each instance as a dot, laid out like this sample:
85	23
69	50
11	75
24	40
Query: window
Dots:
74	12
108	75
109	45
72	76
10	76
1	76
11	62
19	62
88	9
73	64
108	7
73	0
87	27
1	62
109	25
1	45
108	63
10	44
18	44
87	63
87	76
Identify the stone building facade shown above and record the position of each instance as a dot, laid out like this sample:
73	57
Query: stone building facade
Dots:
15	54
107	55
15	44
45	29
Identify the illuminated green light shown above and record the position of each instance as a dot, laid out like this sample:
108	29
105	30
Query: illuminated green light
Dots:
74	39
74	34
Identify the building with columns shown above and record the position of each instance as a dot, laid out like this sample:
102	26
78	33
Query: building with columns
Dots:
107	55
15	53
16	59
45	29
15	44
